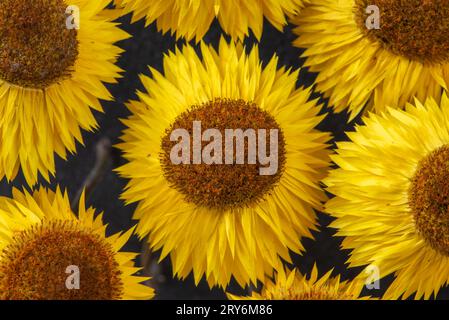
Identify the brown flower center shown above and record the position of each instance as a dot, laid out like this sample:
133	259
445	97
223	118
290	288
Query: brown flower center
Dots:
429	199
219	185
36	47
415	29
34	266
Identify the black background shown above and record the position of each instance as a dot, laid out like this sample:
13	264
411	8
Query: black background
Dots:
146	48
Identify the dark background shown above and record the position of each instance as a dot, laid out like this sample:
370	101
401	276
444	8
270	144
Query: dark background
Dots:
146	48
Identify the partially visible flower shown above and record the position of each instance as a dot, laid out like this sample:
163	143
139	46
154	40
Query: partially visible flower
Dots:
51	76
44	247
292	285
361	65
192	18
392	197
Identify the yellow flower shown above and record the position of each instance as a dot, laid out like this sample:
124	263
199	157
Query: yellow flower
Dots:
221	220
44	246
51	76
392	196
292	285
358	65
193	18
